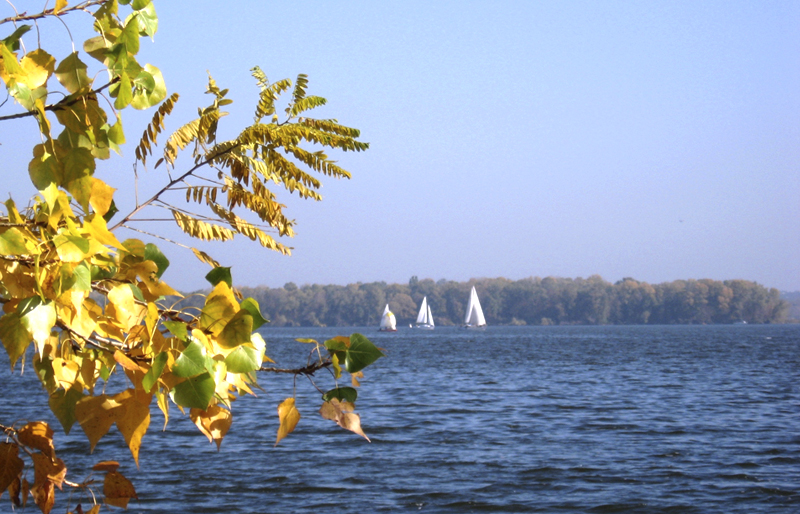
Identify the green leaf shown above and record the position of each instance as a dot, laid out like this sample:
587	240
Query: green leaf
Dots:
220	274
71	73
83	277
123	90
147	20
137	293
361	353
192	361
27	305
12	242
195	392
130	35
244	359
344	394
152	253
12	41
237	331
15	336
251	306
112	210
146	97
178	329
44	370
154	372
62	403
140	4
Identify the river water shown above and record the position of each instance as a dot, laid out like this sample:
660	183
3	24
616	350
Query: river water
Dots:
655	419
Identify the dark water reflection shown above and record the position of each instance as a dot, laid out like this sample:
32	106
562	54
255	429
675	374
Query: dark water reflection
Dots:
513	419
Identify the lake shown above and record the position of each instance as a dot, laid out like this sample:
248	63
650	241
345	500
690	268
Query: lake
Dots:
651	419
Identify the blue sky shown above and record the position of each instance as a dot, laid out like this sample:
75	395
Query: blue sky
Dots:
656	140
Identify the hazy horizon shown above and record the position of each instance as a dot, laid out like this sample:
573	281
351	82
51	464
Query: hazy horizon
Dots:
508	139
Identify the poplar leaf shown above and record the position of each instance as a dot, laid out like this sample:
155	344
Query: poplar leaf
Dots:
60	4
220	307
48	469
106	465
178	329
152	253
344	394
125	361
237	331
152	375
220	273
289	417
146	97
361	353
102	195
37	65
62	403
38	435
133	418
244	359
39	323
10	464
12	242
192	361
342	413
15	337
251	306
44	496
195	392
118	490
95	414
71	73
214	422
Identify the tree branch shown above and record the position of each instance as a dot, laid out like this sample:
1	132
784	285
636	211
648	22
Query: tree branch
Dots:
308	370
65	102
51	12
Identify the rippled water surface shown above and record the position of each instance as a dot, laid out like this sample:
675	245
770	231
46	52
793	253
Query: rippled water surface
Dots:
512	419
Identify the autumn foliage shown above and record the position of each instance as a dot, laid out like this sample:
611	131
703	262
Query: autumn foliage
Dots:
109	345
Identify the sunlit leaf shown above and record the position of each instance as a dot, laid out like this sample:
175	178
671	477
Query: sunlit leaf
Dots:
214	422
15	336
178	329
37	435
95	414
71	72
244	359
12	242
133	418
152	253
152	375
361	353
195	392
147	97
342	413
251	306
192	361
237	331
220	273
289	417
39	322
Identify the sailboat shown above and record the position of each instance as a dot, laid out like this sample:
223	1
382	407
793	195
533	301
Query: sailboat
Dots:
474	317
388	323
425	318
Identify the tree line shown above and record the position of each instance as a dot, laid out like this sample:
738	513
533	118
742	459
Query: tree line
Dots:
529	301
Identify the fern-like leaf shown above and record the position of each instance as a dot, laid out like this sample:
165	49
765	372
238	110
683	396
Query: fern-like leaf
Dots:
149	137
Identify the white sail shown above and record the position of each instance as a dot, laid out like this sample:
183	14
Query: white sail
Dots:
423	311
425	318
474	316
388	322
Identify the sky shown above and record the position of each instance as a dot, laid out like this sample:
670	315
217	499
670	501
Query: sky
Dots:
653	140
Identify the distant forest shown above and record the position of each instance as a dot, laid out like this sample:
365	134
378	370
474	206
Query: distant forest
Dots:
530	301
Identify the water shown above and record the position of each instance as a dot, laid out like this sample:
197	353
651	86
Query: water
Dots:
675	419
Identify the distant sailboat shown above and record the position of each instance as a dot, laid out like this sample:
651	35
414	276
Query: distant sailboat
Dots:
425	318
388	323
474	317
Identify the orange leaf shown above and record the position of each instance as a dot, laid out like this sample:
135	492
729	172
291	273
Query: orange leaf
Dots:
289	416
44	495
106	465
214	422
124	361
38	435
46	469
10	464
118	490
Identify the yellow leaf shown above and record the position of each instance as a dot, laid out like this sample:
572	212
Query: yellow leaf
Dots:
38	435
124	361
66	372
39	322
95	414
133	418
220	307
101	196
214	422
60	4
125	309
163	405
95	226
118	490
342	413
354	378
37	67
289	416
